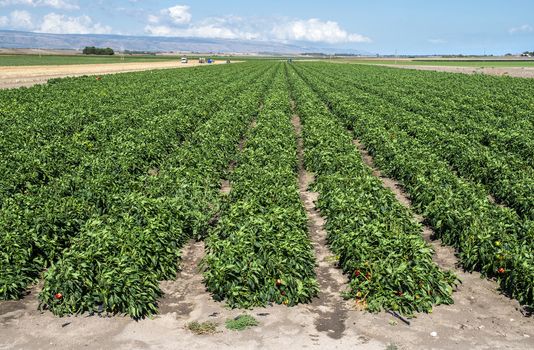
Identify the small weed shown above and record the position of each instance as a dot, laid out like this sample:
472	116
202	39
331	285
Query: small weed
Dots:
392	347
241	322
332	258
202	328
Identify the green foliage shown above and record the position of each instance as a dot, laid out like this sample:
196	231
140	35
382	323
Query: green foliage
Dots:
380	246
261	237
460	134
241	323
459	62
178	204
91	50
45	60
104	180
489	238
202	328
142	183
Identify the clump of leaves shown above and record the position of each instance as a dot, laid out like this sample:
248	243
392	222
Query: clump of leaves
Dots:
202	328
241	322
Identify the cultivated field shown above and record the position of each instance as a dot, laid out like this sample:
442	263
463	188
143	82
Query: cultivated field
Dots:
51	60
339	205
523	68
477	63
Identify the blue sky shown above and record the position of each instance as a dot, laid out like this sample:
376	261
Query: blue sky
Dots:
382	26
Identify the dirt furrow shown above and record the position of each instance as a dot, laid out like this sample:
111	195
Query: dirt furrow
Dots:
331	309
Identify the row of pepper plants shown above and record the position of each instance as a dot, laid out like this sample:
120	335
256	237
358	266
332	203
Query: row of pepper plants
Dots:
508	178
260	252
47	129
491	110
115	263
489	238
37	225
377	239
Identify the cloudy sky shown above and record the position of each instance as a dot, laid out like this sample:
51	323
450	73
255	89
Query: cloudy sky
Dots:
382	26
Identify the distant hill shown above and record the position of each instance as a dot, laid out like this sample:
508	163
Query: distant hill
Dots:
30	40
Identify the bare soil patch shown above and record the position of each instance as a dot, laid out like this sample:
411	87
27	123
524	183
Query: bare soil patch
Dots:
17	76
7	51
517	72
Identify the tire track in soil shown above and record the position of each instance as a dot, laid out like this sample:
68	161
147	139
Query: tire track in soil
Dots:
330	307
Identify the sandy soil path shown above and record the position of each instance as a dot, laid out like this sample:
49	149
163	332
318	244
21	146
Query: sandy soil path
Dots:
17	76
517	72
481	318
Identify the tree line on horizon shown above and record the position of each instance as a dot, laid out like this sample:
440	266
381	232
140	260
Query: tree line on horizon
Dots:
92	50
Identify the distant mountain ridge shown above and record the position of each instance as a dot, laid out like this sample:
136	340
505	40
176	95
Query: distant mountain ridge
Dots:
29	40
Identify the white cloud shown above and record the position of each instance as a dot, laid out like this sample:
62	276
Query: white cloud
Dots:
437	41
57	4
525	28
16	2
153	19
175	15
179	14
203	30
228	27
61	24
315	30
176	21
21	19
53	23
17	19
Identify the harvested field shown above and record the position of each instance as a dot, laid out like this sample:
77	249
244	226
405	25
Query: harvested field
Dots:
517	72
17	76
